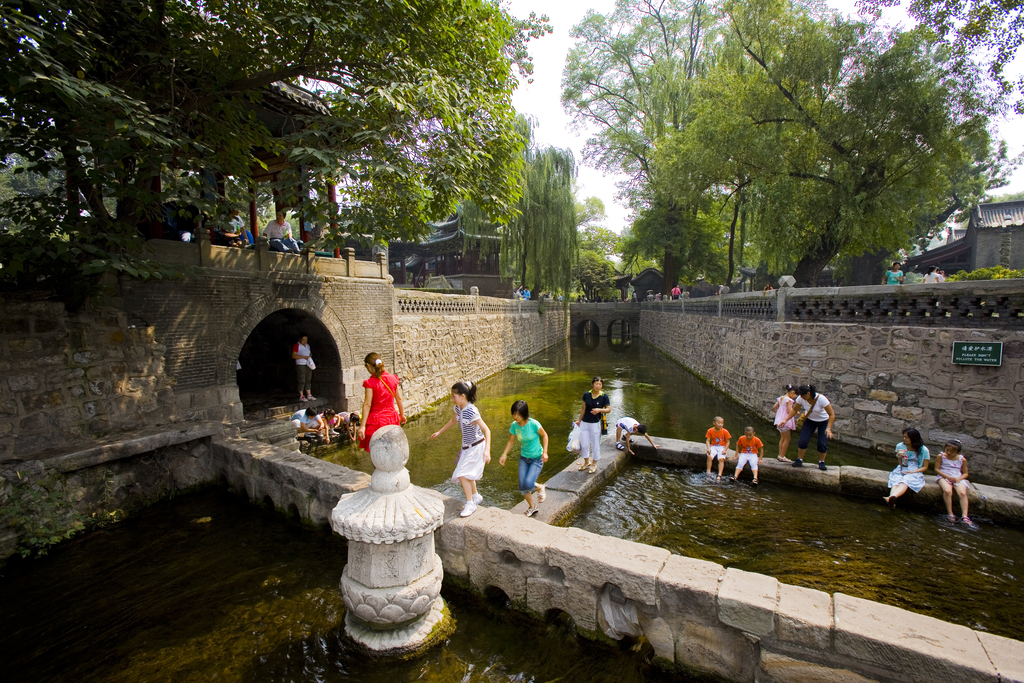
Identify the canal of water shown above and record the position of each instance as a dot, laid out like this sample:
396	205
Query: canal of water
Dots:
207	587
908	559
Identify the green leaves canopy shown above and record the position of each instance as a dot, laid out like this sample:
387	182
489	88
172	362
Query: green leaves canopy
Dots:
116	93
846	135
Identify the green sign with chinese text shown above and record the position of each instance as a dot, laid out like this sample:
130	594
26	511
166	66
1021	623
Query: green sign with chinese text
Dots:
978	353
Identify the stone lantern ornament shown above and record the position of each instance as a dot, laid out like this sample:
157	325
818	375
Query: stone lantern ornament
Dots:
392	582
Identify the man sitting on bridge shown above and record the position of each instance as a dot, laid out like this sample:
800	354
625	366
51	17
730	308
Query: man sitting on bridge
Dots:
625	428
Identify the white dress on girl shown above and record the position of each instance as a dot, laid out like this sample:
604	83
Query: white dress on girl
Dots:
953	468
469	463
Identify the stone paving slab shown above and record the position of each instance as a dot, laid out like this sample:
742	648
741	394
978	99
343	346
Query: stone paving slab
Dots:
1006	655
747	601
128	446
558	506
909	645
595	560
804	617
690	586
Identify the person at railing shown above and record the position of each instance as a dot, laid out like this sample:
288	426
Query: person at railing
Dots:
279	232
912	460
382	396
818	416
676	291
934	276
232	234
894	276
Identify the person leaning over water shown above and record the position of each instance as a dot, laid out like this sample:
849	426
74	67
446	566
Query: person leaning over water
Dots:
595	404
912	460
533	453
820	417
379	401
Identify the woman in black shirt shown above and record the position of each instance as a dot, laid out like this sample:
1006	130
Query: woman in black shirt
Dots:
595	404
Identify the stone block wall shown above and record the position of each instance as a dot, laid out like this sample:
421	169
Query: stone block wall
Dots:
70	378
433	352
880	379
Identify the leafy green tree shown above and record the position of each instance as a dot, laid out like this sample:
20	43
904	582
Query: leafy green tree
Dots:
1008	197
629	78
414	115
590	212
595	275
600	241
844	134
539	243
694	239
976	29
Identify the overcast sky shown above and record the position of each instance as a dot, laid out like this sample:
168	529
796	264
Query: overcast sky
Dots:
541	99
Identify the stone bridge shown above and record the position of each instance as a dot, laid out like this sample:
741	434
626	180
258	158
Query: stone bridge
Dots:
600	318
202	348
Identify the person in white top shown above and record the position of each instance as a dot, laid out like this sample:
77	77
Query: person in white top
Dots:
820	417
934	276
627	427
303	368
279	232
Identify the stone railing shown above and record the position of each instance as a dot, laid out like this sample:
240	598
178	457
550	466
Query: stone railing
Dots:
411	302
260	258
982	303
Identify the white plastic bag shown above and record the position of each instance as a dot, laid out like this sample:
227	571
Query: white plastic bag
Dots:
574	440
619	614
310	364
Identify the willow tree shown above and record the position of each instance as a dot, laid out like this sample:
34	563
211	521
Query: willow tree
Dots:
539	243
630	79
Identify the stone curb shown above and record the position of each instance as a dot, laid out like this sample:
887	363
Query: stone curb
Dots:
119	450
997	503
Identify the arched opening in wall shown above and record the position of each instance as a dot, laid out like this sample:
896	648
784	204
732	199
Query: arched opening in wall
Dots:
497	599
588	328
559	621
620	333
267	382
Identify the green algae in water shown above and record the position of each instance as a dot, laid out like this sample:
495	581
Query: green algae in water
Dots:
531	368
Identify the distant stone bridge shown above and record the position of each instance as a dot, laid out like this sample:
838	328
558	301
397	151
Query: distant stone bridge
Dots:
603	317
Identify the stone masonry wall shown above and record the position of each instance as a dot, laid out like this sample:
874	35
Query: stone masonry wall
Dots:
68	379
435	351
880	379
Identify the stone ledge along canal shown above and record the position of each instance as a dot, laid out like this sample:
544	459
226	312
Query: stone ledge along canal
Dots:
830	542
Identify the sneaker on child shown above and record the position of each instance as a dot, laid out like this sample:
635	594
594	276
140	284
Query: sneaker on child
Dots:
477	498
468	509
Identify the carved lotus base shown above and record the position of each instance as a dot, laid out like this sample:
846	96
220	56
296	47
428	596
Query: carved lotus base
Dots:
432	628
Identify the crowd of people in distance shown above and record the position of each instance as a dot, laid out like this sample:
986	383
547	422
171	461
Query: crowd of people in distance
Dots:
799	409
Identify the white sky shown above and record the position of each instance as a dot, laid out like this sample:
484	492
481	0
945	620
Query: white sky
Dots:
541	99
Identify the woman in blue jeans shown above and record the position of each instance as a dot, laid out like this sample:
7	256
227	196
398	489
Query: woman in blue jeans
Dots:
820	417
533	453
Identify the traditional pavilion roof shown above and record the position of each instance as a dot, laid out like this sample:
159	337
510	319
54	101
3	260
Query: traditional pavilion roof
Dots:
995	215
445	237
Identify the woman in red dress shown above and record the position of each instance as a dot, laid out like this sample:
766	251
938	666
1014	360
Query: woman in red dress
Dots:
382	395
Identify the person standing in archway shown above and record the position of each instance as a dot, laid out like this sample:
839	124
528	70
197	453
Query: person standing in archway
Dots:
379	401
303	368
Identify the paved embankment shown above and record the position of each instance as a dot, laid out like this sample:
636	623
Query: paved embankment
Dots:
994	502
698	616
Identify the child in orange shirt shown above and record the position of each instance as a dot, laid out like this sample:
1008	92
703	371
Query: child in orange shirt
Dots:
717	442
749	451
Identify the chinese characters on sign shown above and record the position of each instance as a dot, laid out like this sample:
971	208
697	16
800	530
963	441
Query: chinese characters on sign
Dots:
978	353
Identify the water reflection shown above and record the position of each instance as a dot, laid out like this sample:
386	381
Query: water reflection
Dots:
247	597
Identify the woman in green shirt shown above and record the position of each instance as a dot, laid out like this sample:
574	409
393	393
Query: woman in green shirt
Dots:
533	453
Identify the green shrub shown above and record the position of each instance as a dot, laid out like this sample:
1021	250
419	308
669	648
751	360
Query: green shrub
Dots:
993	273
